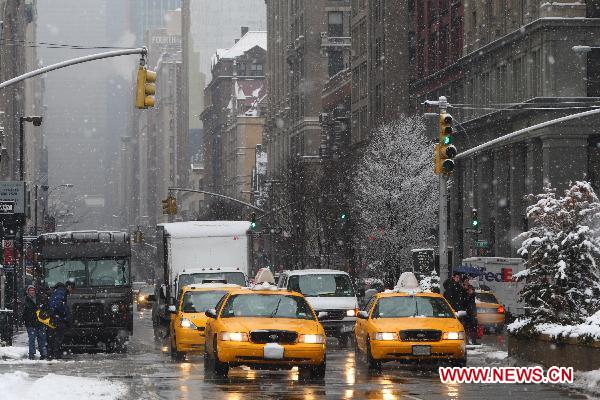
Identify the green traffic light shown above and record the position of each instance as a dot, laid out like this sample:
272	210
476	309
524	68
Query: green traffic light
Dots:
343	216
475	223
447	140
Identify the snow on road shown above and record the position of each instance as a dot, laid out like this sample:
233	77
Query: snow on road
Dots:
21	386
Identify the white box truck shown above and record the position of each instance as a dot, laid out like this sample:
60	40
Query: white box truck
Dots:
198	252
497	274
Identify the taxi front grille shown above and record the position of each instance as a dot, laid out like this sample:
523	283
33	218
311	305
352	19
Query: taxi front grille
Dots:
420	335
273	336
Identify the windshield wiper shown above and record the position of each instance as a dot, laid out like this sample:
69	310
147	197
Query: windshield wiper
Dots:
276	309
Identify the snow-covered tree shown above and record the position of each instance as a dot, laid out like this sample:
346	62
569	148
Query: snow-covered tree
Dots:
396	196
562	248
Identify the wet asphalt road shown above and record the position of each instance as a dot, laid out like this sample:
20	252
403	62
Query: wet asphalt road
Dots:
149	373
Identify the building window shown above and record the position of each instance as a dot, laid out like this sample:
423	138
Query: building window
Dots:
336	24
378	99
377	10
256	70
593	73
336	62
535	73
377	53
517	79
501	82
363	80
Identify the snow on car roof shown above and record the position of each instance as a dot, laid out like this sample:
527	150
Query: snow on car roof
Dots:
195	229
315	271
209	270
212	285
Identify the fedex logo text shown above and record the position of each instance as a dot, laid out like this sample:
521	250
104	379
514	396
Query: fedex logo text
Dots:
506	375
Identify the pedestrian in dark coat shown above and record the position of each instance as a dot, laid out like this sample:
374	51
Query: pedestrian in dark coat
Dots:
454	292
470	321
35	330
59	317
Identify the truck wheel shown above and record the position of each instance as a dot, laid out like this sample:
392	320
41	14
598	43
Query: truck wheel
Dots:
343	340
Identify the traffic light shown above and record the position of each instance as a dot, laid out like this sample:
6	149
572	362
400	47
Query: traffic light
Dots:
344	217
145	88
169	205
474	219
253	221
445	151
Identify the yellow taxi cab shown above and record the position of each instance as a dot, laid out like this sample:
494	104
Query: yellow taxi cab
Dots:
490	313
264	328
408	325
188	318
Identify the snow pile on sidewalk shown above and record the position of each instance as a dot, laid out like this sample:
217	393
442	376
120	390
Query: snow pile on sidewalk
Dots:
588	381
20	386
13	352
589	329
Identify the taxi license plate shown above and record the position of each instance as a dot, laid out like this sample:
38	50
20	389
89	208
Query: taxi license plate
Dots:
421	350
273	351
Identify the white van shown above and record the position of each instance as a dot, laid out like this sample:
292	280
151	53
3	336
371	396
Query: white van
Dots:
327	291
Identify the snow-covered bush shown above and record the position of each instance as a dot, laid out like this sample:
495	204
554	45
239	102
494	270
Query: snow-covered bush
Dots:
396	197
562	248
430	283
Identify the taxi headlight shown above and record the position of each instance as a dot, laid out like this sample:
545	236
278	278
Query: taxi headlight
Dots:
351	313
453	336
312	339
386	336
234	336
186	323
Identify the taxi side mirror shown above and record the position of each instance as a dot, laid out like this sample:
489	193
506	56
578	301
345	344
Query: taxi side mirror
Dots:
211	313
322	315
363	315
460	314
172	309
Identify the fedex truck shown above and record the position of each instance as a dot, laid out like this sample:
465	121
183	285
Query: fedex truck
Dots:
496	273
198	252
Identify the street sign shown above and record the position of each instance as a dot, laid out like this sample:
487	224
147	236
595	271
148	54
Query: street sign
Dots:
13	191
470	230
423	261
7	207
482	244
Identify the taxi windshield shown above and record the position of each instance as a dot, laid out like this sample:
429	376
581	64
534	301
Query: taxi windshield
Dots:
267	306
412	306
322	285
198	302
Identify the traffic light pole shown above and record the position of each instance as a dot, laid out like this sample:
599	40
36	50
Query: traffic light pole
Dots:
93	57
443	214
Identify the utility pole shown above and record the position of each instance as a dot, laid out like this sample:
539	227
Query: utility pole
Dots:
443	212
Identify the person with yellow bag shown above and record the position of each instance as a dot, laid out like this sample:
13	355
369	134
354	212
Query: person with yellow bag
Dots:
36	330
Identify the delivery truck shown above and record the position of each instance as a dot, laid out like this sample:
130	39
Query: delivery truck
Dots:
199	252
496	274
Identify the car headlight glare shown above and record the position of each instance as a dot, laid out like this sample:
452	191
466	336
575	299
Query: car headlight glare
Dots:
351	313
312	339
186	323
114	308
386	336
453	336
234	336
